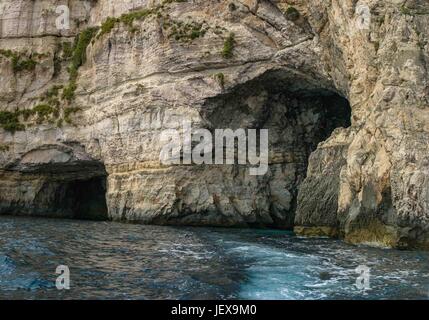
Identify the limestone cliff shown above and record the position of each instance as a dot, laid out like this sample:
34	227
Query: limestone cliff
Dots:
344	98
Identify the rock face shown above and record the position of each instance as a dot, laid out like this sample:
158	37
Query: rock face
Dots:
342	86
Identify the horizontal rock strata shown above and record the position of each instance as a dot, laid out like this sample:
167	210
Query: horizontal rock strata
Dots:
344	98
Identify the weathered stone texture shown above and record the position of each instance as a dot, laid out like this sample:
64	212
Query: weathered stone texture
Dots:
368	180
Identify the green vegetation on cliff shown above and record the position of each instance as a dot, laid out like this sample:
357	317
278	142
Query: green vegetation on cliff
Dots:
228	46
44	111
292	13
185	32
78	58
19	62
68	112
4	147
220	78
9	121
76	54
412	12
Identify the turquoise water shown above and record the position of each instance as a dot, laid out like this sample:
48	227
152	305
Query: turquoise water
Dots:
122	261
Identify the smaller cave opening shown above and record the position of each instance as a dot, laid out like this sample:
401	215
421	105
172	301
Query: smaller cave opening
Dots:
86	199
72	191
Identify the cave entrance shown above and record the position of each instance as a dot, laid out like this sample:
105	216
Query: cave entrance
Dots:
86	199
74	189
73	198
299	113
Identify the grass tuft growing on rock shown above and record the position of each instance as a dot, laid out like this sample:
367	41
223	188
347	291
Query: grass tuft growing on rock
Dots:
24	65
68	112
128	18
78	58
79	51
67	49
4	147
412	12
185	32
107	26
68	92
52	92
220	78
232	6
9	121
292	13
44	111
228	46
19	62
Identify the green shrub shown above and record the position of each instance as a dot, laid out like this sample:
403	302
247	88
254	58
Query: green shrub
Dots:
228	46
7	116
79	52
27	113
78	58
43	111
412	12
107	26
9	121
232	6
67	49
185	32
140	89
52	92
13	127
7	53
19	63
220	78
128	18
68	112
292	14
4	147
68	92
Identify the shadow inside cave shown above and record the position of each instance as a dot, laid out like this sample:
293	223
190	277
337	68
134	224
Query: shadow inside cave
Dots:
299	113
79	194
83	199
72	189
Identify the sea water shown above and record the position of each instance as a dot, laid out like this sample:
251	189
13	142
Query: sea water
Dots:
110	260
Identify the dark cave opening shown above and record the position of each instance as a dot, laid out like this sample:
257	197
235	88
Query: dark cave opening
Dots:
299	113
70	190
86	199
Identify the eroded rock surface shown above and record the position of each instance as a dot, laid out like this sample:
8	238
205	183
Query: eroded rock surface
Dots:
77	113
